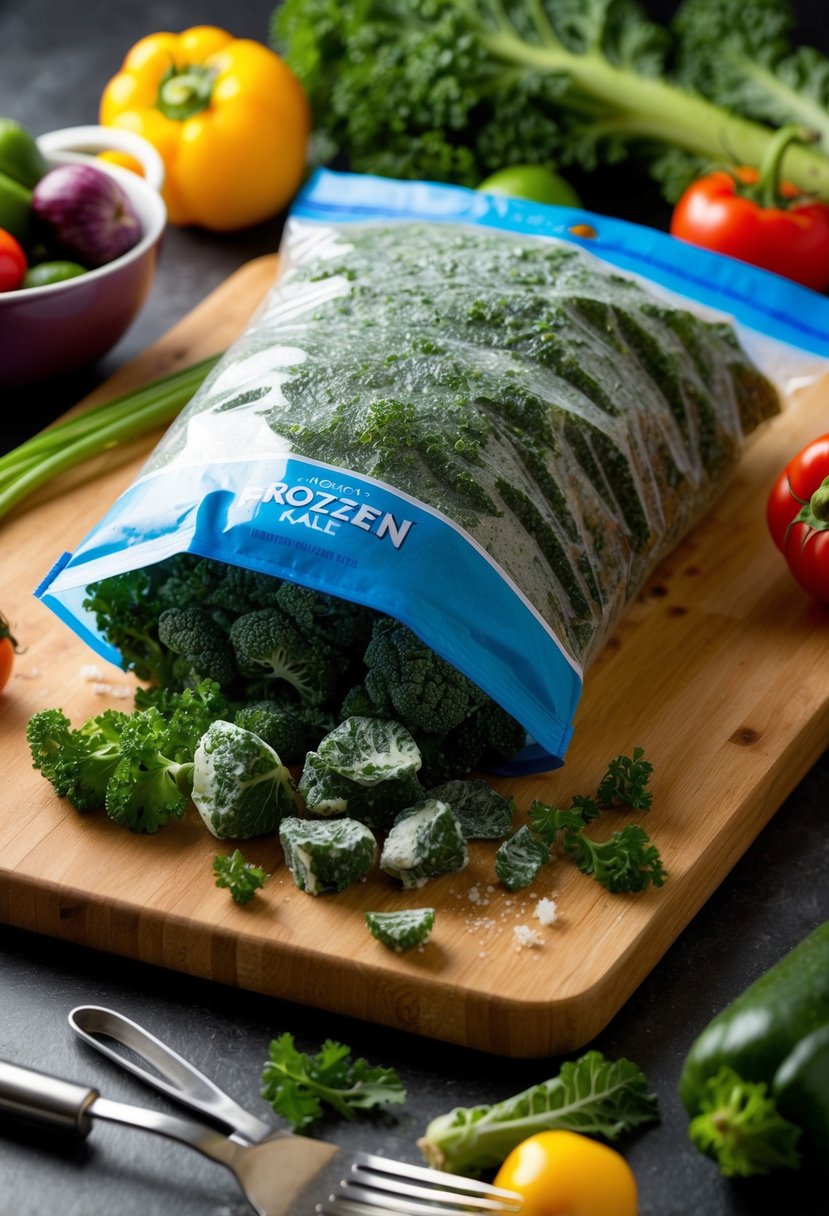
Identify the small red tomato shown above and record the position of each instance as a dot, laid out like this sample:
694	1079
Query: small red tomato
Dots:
8	648
798	516
13	263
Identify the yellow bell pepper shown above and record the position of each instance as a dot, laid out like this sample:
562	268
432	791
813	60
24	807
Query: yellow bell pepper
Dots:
228	117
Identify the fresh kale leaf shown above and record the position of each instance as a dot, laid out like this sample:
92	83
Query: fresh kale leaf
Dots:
299	1085
591	1095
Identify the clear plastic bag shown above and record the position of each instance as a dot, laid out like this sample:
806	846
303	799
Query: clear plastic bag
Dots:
450	414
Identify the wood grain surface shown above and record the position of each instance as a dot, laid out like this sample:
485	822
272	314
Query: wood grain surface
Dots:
719	670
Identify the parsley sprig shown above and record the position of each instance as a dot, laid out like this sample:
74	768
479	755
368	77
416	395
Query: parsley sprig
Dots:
298	1085
628	862
625	780
241	878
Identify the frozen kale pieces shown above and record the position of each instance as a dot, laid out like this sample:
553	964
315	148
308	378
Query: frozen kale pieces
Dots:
276	656
402	930
425	692
240	786
520	858
482	812
425	841
200	644
365	768
327	856
283	727
369	750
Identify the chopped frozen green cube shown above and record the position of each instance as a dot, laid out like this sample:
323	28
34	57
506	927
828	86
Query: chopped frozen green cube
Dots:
402	930
425	841
370	750
482	812
240	786
328	790
327	855
520	858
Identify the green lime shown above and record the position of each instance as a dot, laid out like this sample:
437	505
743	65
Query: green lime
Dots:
533	182
52	272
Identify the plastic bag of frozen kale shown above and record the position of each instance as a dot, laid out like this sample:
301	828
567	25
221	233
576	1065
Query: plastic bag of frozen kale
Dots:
451	412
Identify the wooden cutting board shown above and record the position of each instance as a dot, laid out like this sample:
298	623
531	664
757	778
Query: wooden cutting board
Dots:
719	670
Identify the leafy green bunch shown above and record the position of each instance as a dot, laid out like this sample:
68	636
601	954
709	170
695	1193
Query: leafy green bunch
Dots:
452	90
139	765
294	662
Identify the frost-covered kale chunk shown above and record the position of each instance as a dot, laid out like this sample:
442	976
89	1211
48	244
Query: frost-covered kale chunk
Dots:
425	841
520	858
482	812
240	786
327	856
365	768
402	930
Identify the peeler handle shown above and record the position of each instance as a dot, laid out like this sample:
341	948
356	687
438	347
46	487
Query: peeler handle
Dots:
168	1073
38	1098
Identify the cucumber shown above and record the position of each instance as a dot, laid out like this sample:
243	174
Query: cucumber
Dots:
801	1089
757	1031
756	1081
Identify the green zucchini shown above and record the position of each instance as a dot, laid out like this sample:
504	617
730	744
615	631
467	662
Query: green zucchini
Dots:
751	1081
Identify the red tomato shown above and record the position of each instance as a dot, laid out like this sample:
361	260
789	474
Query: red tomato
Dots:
752	215
12	262
798	516
8	647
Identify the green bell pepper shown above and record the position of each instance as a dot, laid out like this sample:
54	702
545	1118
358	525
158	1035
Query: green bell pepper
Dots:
15	208
756	1081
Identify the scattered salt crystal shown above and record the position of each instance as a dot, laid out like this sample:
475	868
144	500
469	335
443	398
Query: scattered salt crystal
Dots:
90	672
473	895
546	910
525	936
119	691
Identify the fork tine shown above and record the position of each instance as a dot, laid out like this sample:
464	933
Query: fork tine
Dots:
366	1183
366	1163
440	1204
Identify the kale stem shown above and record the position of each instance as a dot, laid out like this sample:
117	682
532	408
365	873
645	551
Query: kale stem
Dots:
542	23
655	109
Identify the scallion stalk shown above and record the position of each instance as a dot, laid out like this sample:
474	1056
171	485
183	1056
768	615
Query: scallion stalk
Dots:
99	429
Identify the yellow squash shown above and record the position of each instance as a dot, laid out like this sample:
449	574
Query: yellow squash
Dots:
228	117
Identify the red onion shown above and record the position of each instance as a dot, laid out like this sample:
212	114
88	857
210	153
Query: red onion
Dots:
84	214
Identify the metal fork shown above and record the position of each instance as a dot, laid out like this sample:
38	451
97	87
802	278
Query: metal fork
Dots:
365	1186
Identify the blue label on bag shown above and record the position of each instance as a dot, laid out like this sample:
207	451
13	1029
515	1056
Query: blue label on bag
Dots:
350	536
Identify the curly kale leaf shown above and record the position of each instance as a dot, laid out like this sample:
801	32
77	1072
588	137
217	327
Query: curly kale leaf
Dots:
299	1085
78	763
274	654
425	691
740	54
451	90
152	781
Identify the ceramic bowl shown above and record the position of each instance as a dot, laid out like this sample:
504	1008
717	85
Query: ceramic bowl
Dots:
48	331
